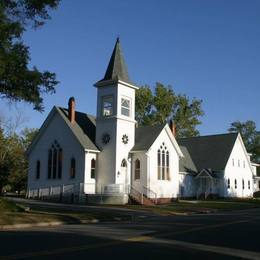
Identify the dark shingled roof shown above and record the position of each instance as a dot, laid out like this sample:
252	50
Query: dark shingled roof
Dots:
210	152
145	136
84	128
186	163
116	69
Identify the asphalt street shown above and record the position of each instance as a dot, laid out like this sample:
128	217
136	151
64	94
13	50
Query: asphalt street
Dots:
229	235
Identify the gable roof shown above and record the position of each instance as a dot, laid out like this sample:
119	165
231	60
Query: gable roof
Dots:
210	152
186	164
145	137
84	128
116	69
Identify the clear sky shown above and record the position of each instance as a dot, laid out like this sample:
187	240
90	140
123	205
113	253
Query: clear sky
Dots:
208	49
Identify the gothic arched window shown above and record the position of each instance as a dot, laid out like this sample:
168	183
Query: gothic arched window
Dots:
93	169
163	163
55	161
228	183
137	169
124	163
72	168
38	169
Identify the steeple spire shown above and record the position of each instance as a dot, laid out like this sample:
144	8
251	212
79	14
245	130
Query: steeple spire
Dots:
116	69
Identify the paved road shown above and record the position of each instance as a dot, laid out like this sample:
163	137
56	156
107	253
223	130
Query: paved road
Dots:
233	235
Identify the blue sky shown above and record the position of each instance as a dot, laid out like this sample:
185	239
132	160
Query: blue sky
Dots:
205	49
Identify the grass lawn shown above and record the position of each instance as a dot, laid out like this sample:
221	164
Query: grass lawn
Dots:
184	206
12	213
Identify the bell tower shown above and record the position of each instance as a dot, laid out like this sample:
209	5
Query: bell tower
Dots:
115	124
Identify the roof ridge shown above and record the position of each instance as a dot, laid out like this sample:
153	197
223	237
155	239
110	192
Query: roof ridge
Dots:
214	135
76	111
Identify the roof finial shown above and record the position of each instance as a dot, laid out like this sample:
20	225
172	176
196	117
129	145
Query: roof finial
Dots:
117	38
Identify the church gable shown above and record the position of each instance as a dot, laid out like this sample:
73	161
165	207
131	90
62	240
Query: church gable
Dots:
83	129
211	151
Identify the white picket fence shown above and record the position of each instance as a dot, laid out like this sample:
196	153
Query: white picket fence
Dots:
75	191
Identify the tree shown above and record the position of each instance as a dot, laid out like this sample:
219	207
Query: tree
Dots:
18	163
250	135
186	115
165	105
17	81
3	160
143	105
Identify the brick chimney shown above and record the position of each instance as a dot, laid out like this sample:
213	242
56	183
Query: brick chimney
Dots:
71	106
173	128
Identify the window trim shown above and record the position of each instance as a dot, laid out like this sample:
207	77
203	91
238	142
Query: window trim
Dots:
137	175
72	168
55	160
38	169
163	163
124	107
103	98
93	169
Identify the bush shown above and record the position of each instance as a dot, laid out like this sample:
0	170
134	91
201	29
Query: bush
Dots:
9	206
257	194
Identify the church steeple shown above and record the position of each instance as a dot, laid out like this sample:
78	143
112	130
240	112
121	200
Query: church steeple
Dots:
116	69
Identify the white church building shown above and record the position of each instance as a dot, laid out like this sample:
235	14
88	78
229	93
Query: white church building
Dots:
108	159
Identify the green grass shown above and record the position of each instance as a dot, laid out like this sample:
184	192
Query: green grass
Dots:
12	213
9	206
200	206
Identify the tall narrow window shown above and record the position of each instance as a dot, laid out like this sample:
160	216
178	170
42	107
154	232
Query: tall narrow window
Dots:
72	168
55	158
60	163
107	104
238	163
233	162
50	164
249	185
243	184
244	164
38	169
124	163
54	170
228	183
235	183
137	169
93	169
125	107
167	166
159	164
163	163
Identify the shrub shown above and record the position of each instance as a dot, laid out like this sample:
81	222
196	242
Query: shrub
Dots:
9	206
257	194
